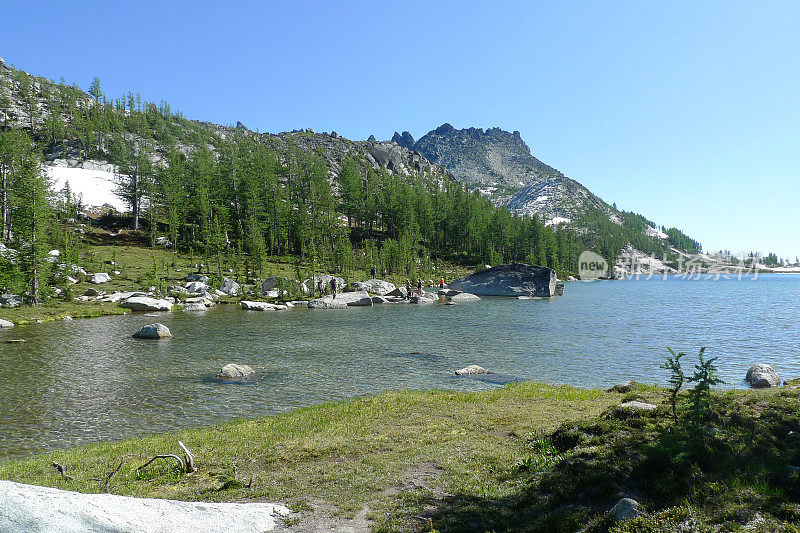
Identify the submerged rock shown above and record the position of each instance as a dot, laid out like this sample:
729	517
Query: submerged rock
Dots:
153	331
32	508
235	371
509	280
760	376
472	370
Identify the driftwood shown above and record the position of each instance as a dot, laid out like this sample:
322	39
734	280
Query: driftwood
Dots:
62	471
187	465
110	475
165	456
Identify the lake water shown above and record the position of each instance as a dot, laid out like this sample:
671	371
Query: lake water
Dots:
88	380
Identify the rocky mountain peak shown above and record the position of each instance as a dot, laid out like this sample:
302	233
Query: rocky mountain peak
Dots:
404	139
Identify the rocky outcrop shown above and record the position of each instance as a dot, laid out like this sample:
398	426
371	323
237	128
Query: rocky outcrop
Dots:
100	277
625	509
235	371
374	286
153	331
261	306
10	300
509	280
404	139
463	297
145	303
341	300
229	287
197	287
32	508
325	280
761	376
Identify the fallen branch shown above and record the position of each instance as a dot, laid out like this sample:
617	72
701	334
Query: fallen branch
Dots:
62	471
165	456
190	466
110	475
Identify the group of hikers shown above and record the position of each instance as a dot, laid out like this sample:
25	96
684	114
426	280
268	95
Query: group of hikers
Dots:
334	285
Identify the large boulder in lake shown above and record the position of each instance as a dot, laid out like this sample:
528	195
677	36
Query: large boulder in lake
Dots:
32	508
342	300
261	306
760	376
153	331
145	303
463	297
509	280
234	371
374	286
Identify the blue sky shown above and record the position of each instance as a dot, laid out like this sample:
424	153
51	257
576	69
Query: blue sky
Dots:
687	112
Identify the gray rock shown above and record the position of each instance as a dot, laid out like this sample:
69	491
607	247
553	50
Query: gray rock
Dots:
153	331
424	298
10	300
624	386
509	280
379	300
196	287
374	286
448	292
312	283
48	510
327	303
625	509
198	277
100	277
638	406
472	370
119	296
464	297
559	289
399	292
261	306
195	307
91	291
234	371
6	323
145	303
760	376
229	287
351	299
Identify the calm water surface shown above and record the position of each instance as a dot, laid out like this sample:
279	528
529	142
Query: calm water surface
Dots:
88	380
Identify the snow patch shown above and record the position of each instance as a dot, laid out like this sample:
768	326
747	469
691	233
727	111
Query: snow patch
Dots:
95	188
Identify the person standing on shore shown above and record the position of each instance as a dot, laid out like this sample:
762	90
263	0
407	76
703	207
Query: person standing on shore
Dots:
383	274
441	282
372	271
408	288
333	287
419	286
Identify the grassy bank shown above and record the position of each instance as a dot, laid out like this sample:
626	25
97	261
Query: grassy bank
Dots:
525	457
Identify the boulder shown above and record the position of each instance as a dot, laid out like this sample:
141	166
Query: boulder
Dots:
357	298
625	509
195	307
91	291
472	370
153	331
374	286
509	280
559	289
379	300
447	292
625	386
234	371
33	508
196	287
399	292
145	303
464	297
198	277
272	283
261	306
326	303
118	296
229	287
100	277
638	406
760	376
424	298
10	300
6	323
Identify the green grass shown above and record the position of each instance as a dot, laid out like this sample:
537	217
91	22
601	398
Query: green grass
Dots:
525	457
57	310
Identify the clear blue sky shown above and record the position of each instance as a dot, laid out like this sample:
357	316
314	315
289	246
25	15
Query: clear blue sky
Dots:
687	112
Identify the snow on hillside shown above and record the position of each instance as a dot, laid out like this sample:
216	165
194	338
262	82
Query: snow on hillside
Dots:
93	186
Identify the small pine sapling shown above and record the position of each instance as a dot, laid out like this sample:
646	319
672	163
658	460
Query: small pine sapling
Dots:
705	378
676	378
